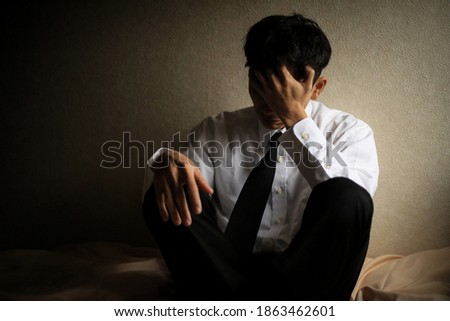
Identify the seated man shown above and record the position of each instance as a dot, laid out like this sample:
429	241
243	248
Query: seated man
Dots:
270	202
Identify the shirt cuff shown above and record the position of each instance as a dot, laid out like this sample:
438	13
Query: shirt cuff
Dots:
156	161
306	145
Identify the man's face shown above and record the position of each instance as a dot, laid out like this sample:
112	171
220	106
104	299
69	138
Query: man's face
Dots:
265	114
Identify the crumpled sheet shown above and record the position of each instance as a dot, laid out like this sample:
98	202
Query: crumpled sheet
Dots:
420	276
111	271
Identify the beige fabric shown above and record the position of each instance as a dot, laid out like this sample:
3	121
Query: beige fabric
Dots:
109	271
419	276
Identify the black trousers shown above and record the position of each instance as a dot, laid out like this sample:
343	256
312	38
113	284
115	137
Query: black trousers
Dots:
322	262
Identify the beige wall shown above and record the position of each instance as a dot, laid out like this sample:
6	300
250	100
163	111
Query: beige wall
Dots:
83	74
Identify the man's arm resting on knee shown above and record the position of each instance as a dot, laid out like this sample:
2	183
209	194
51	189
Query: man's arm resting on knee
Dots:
177	182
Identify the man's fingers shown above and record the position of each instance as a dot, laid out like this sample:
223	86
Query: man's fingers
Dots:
261	79
179	198
194	196
285	75
182	205
276	80
177	184
309	76
254	85
160	201
177	180
202	183
171	206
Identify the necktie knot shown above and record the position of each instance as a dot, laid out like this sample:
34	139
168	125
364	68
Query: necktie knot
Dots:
273	141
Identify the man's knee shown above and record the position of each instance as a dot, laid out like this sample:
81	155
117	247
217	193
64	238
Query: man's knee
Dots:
345	200
150	208
343	188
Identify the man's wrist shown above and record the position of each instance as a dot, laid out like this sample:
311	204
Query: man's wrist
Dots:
293	119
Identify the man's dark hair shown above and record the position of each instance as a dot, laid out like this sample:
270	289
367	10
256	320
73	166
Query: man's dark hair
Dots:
293	41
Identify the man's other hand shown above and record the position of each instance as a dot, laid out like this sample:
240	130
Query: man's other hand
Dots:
177	188
286	96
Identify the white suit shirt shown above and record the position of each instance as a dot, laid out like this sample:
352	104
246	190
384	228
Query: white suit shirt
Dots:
328	143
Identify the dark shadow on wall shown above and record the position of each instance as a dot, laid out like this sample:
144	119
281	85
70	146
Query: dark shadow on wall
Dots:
72	80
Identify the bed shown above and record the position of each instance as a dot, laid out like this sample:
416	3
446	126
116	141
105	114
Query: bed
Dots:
112	271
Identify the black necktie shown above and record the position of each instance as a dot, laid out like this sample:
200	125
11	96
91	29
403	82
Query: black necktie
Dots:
246	216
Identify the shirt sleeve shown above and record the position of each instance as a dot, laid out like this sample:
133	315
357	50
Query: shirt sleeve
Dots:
345	149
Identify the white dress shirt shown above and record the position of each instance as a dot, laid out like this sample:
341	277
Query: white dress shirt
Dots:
328	143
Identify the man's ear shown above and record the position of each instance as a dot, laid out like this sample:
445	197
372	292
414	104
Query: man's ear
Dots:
318	87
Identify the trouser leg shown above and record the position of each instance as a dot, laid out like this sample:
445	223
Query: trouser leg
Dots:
202	262
322	263
325	258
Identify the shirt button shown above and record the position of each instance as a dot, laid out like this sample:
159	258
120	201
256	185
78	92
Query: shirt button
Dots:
305	136
269	242
327	166
280	159
276	221
279	190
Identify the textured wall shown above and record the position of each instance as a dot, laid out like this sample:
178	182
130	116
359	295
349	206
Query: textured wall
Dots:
81	74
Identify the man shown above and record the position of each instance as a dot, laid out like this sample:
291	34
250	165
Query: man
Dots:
273	201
